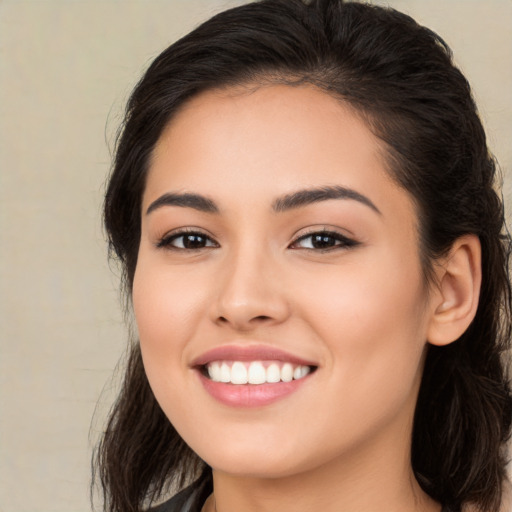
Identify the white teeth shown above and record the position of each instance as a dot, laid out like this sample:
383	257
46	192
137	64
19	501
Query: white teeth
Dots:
237	372
225	373
273	373
214	371
287	372
256	374
304	370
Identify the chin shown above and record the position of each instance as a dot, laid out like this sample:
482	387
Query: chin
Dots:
244	467
252	460
263	459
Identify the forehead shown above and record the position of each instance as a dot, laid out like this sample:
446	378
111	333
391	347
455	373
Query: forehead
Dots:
251	144
278	120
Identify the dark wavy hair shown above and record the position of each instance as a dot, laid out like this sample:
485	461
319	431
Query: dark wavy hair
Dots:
399	76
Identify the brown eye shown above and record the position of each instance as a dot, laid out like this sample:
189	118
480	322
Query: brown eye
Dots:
323	240
187	241
320	241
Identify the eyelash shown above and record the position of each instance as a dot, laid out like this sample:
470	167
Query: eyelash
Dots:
166	241
340	241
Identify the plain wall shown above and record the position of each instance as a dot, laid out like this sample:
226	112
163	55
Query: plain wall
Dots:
66	68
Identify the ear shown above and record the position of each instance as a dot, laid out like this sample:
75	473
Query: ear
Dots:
455	299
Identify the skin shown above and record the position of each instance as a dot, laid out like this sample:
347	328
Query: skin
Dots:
362	313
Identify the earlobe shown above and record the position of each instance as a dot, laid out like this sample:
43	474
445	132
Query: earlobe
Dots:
455	300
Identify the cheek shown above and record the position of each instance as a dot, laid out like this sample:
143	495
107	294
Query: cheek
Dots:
364	293
372	319
167	307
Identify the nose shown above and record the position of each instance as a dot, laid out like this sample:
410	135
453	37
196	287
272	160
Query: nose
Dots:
250	293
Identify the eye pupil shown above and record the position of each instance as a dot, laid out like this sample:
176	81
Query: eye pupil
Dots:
320	241
193	241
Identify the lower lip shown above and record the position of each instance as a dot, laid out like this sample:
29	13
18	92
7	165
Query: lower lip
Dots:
250	395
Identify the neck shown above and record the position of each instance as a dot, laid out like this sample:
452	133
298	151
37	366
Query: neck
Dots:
376	478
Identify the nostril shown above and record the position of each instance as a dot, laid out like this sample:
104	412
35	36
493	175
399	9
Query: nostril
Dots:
261	317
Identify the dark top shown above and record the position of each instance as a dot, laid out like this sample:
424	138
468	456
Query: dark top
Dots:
193	497
190	499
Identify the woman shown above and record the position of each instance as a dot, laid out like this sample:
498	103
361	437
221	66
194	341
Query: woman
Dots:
302	201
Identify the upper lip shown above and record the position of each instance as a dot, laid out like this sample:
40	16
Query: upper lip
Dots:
249	353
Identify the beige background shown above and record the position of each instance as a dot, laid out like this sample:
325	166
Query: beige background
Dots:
66	68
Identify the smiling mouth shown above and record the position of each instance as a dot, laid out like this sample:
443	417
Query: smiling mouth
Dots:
254	372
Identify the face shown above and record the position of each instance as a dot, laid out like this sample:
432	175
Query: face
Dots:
278	293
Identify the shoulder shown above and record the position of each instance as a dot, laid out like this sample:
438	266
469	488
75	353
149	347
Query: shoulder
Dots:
179	503
190	499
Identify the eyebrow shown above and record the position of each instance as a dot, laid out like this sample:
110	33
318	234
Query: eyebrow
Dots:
287	202
195	201
315	195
